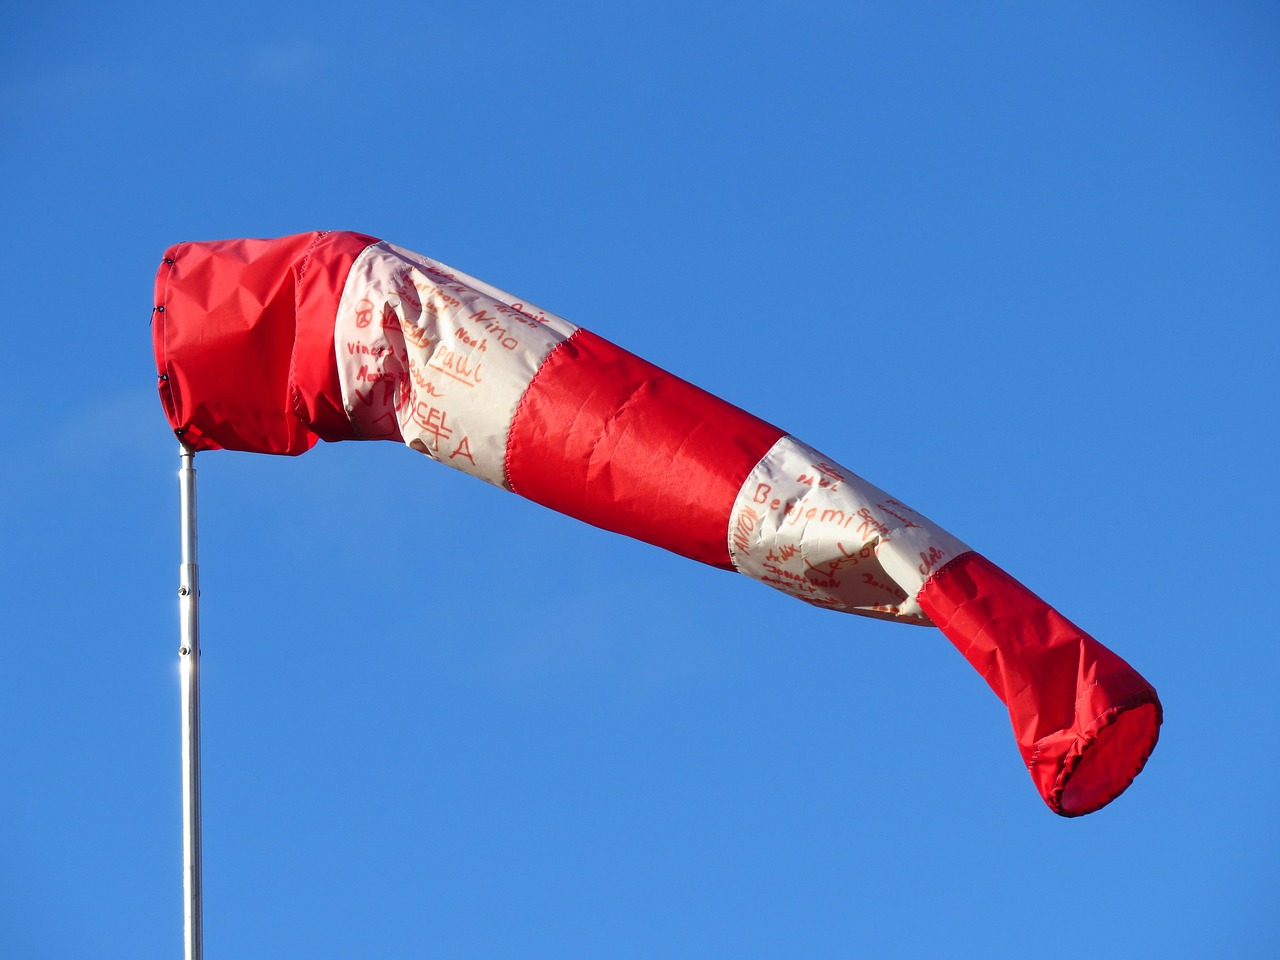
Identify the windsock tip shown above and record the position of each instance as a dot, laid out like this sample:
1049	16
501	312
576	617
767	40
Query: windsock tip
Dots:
1107	757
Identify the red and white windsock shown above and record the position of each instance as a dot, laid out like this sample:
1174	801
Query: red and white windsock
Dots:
271	345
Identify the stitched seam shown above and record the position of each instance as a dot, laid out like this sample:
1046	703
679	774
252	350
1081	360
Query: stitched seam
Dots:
733	508
520	404
295	395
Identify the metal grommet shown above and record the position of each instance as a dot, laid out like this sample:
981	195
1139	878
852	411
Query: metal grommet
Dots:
164	376
160	309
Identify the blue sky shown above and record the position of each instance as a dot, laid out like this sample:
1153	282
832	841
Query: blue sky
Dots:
1014	263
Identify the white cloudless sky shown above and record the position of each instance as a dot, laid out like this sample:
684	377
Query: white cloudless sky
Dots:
1014	263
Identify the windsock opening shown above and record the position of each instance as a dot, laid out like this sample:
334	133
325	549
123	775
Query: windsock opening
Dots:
1085	721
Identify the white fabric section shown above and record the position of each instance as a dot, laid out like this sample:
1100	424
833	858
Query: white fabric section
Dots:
807	526
439	355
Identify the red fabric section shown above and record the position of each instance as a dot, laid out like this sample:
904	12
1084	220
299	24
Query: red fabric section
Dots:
614	440
1085	720
321	276
224	327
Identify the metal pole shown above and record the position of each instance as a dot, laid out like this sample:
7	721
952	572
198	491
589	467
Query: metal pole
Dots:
189	672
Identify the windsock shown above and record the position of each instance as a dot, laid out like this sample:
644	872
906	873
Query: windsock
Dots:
269	346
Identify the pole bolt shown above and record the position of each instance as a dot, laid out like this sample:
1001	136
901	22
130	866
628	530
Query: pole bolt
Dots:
184	651
183	591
